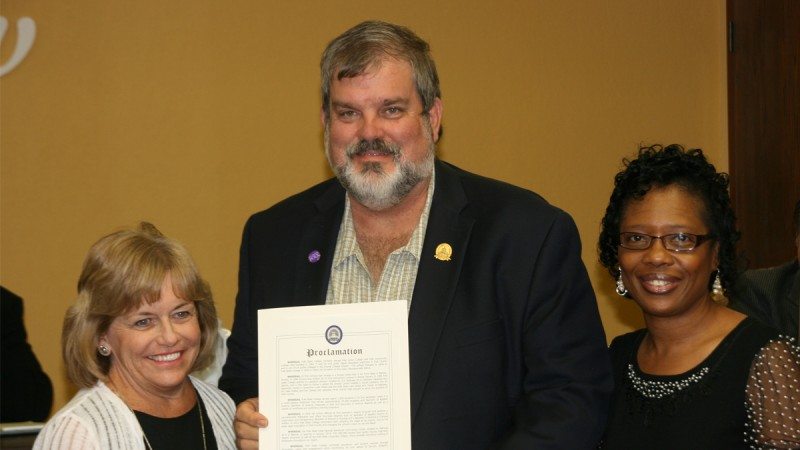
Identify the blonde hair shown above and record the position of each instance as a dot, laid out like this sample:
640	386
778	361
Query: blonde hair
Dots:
122	270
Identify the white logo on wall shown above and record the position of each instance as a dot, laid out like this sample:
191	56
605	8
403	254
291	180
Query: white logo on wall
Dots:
26	33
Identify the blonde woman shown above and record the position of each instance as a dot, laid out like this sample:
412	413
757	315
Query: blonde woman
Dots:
143	321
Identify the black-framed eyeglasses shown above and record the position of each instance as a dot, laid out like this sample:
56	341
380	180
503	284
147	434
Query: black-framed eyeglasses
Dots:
675	242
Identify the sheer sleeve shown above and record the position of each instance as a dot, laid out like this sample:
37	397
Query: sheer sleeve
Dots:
773	396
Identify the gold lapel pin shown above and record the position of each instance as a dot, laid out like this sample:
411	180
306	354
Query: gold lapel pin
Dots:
443	252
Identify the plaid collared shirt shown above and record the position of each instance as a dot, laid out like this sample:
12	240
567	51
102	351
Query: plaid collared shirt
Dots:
350	279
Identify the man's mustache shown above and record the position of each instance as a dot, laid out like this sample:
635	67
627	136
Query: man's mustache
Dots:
375	146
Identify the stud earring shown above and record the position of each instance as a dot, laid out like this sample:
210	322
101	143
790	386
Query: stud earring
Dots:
103	350
621	291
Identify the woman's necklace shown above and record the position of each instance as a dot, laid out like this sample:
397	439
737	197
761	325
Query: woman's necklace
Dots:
202	426
147	441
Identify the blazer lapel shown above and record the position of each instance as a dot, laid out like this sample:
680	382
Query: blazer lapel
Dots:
436	279
319	241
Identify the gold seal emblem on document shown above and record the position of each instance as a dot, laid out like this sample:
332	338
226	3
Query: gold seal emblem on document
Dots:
443	252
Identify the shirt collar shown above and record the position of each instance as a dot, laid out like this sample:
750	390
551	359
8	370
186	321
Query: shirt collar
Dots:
348	244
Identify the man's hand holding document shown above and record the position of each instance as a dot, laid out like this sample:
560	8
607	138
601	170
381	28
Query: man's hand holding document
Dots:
335	376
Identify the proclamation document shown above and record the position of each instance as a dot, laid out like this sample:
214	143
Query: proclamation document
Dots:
335	377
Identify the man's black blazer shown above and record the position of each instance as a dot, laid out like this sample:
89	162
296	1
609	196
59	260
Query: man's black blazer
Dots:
505	340
771	296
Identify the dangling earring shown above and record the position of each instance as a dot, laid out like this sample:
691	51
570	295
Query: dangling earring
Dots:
621	291
717	293
716	287
103	350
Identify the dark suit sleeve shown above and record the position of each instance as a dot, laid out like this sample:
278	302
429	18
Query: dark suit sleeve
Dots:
770	296
568	382
27	393
240	373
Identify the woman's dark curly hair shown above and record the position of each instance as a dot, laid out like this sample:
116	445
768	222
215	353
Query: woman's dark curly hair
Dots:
658	167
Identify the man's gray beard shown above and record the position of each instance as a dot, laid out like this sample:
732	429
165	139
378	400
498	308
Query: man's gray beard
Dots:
372	186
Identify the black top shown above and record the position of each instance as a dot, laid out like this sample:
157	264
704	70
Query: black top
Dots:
703	408
25	389
182	432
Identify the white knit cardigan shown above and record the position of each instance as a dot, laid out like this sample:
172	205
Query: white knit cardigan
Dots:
97	419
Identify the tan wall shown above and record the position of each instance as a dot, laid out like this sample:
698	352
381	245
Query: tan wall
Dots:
195	114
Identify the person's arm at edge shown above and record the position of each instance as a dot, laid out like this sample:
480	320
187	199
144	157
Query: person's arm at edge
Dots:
27	391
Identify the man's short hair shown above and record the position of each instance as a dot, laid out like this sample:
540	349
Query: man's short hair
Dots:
366	46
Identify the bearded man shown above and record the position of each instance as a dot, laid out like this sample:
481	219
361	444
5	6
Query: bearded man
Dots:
506	346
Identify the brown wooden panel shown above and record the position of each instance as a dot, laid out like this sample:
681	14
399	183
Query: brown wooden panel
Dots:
763	105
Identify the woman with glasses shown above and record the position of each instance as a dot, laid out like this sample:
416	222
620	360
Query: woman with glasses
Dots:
700	375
